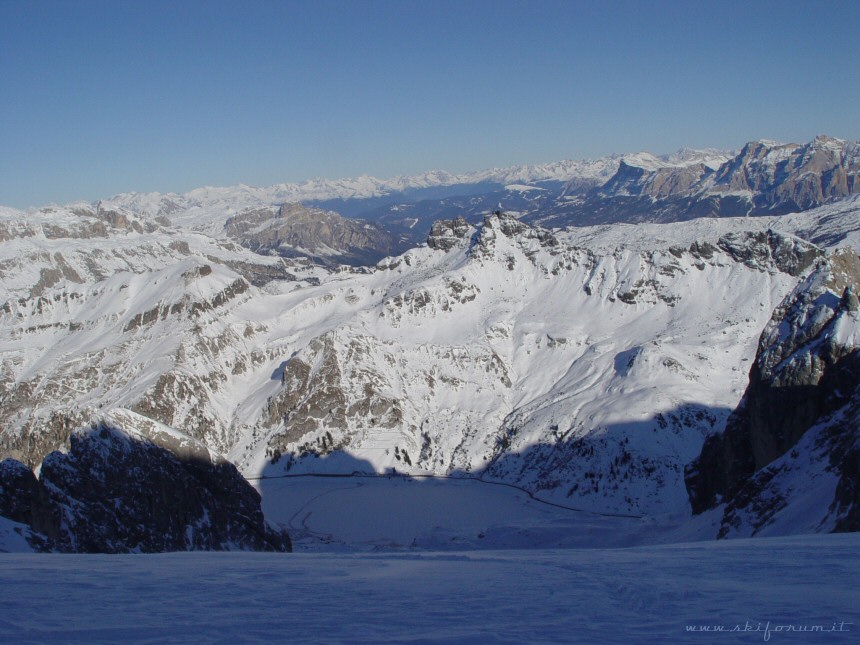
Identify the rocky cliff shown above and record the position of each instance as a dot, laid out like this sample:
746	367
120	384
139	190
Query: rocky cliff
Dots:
804	388
119	492
764	178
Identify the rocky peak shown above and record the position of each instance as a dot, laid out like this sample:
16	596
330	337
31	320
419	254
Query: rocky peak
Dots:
118	219
806	363
791	177
446	234
506	225
770	250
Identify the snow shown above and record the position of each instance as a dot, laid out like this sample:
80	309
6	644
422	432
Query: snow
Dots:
830	226
12	538
847	330
360	513
631	595
711	158
469	344
395	560
521	188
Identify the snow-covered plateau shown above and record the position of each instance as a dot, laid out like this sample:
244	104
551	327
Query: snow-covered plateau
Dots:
398	560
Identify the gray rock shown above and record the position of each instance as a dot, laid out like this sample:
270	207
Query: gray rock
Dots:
296	231
805	375
446	234
112	493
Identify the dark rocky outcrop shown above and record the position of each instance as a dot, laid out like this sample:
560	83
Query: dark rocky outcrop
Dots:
806	376
760	250
117	493
23	499
446	234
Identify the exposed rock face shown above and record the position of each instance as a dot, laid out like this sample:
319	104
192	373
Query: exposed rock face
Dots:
806	375
792	177
764	178
770	249
23	499
446	234
294	230
659	183
116	493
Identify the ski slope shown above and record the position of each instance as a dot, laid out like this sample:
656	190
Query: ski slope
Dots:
656	594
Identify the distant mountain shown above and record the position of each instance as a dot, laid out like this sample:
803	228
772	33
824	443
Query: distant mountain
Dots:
764	178
206	209
292	230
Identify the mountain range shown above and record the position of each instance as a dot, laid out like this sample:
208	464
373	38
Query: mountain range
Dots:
637	335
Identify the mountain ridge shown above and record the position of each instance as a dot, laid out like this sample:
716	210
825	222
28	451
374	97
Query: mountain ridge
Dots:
591	365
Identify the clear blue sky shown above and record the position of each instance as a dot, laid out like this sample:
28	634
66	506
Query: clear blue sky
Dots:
101	97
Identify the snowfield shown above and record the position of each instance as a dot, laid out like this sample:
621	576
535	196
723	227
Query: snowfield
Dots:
761	589
400	560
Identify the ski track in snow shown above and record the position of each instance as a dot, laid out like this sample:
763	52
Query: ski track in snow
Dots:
633	595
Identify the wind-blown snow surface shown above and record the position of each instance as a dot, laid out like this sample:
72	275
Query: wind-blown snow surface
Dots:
657	594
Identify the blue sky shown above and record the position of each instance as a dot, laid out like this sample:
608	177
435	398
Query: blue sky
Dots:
98	98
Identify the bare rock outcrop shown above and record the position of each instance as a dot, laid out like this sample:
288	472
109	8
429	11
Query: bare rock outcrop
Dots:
115	492
806	376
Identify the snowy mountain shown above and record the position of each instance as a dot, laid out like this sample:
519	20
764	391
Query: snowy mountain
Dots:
764	178
788	457
590	378
588	366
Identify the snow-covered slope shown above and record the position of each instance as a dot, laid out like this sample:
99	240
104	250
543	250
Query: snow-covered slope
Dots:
586	377
90	309
588	365
785	590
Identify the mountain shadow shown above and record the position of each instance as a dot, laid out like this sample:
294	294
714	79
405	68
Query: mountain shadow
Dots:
630	468
115	493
